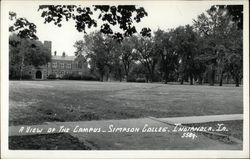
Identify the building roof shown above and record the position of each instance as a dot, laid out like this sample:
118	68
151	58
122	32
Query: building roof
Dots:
64	58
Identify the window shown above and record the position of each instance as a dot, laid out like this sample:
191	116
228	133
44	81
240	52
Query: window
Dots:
54	65
69	66
62	65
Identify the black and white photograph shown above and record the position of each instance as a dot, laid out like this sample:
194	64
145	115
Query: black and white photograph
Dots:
94	76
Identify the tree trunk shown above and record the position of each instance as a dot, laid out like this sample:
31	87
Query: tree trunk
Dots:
200	79
212	77
21	68
191	79
127	76
147	78
221	80
237	81
166	76
151	71
166	71
227	79
120	77
151	77
221	77
182	80
101	76
126	69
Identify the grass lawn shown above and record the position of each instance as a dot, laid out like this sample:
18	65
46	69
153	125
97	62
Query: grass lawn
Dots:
36	102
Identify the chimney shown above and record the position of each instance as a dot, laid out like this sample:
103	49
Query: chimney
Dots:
63	54
54	53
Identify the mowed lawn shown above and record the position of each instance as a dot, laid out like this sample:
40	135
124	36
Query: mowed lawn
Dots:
36	102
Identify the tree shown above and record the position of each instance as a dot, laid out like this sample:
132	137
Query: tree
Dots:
216	27
164	46
102	52
25	52
122	16
22	27
235	10
23	48
138	70
185	40
234	54
127	54
146	54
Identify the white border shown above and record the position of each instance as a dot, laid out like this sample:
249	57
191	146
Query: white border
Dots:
118	154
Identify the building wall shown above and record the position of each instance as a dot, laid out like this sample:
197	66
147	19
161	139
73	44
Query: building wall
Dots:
58	68
63	67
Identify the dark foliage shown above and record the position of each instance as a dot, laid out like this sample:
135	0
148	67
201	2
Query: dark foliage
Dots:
123	16
23	28
236	11
80	77
51	76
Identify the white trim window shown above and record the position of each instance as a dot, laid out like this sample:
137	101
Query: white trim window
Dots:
69	66
54	65
62	65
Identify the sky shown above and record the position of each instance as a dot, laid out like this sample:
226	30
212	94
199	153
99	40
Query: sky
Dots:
161	15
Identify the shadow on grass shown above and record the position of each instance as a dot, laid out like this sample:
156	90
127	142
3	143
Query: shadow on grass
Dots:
60	141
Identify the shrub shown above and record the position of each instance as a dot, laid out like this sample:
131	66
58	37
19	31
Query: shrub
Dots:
89	78
131	79
143	80
74	77
66	77
51	76
26	77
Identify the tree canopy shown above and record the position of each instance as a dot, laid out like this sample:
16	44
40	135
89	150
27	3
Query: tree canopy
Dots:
26	52
22	27
24	48
122	16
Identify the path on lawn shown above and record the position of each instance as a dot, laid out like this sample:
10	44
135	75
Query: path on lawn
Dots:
200	119
170	140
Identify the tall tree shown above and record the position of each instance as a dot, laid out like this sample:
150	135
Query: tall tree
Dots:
127	54
25	52
101	51
146	54
164	46
215	27
234	54
23	48
185	40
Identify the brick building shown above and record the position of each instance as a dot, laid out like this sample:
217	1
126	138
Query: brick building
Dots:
59	66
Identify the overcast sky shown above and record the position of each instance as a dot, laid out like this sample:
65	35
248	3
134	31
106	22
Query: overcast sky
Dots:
161	15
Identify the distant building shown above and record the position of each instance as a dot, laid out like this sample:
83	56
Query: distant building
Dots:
59	66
